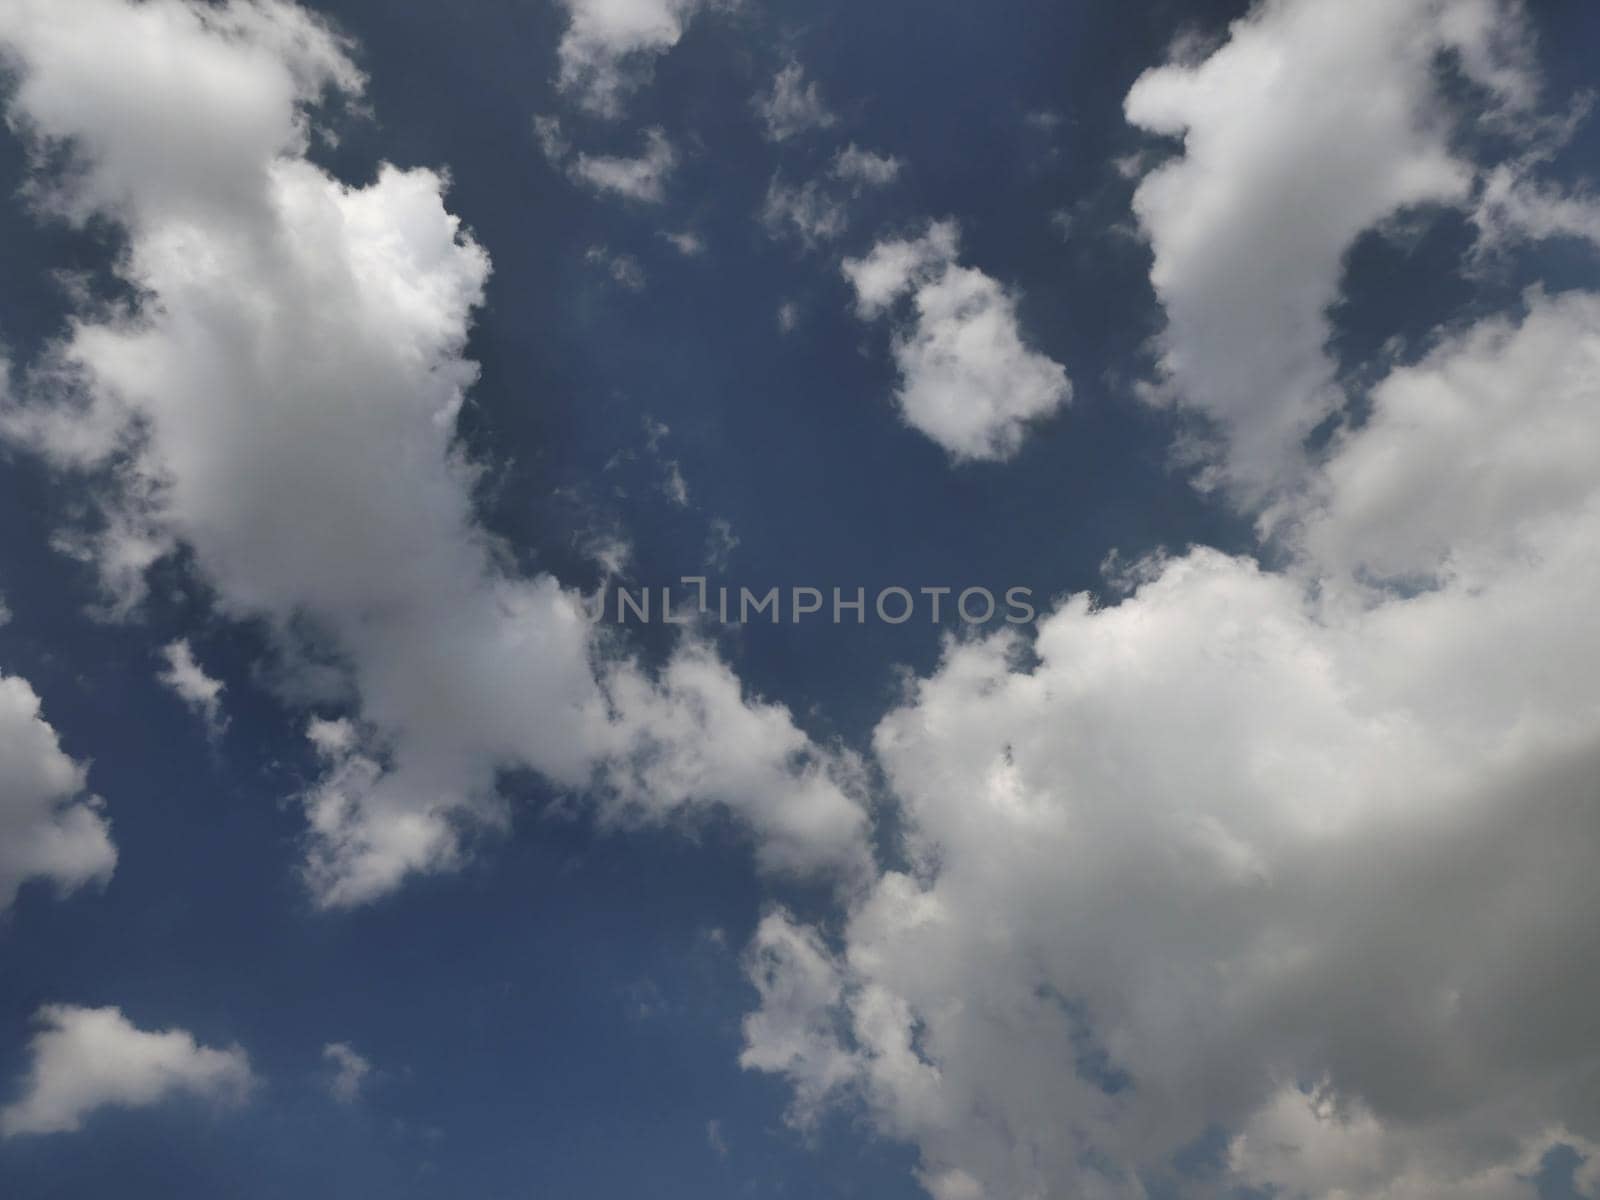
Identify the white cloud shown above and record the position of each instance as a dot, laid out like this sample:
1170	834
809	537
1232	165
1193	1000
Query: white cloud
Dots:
192	685
809	211
90	1058
967	379
1513	207
673	484
696	744
624	269
350	1071
792	1030
643	178
1298	855
314	475
721	542
1311	124
687	243
1247	829
49	828
610	45
793	106
863	168
716	1139
552	141
818	210
1471	455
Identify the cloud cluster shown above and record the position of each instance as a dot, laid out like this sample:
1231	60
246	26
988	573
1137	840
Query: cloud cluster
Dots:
91	1058
967	379
282	404
1263	851
1258	878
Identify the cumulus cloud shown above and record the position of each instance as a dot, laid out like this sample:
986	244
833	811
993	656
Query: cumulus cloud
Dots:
1311	124
610	46
49	827
188	680
86	1059
283	406
1290	863
792	106
967	379
1286	853
642	178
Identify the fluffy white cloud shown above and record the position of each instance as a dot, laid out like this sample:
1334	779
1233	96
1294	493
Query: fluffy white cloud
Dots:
694	742
90	1058
793	106
1473	456
284	406
1311	124
968	381
1248	830
189	681
642	178
49	828
610	45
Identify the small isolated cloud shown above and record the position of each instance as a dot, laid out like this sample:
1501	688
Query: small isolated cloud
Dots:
624	269
863	169
687	243
49	828
716	1139
788	316
673	484
552	141
720	544
350	1071
643	178
192	685
90	1058
967	379
807	211
793	106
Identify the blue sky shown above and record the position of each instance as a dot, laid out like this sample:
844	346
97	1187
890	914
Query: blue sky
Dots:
350	348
